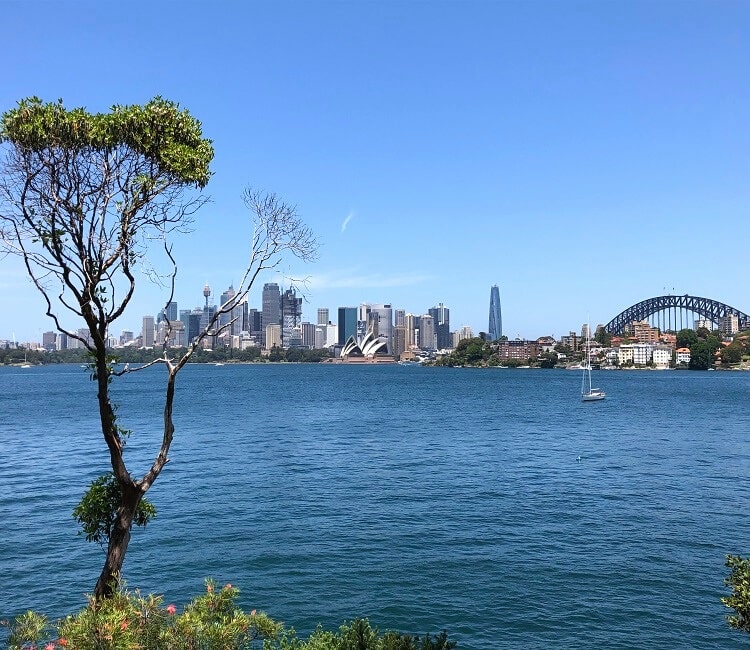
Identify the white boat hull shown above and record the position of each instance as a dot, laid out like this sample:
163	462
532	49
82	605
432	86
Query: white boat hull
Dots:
593	396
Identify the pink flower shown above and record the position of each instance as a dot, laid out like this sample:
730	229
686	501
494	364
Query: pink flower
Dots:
171	609
252	613
209	588
124	625
227	586
49	646
63	642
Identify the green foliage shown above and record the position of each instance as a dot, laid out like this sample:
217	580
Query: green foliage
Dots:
686	337
359	635
158	131
703	350
211	621
138	355
468	352
27	629
603	336
732	353
739	601
97	511
548	359
276	354
700	356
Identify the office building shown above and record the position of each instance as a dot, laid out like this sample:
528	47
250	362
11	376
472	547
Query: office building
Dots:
322	315
273	336
254	322
464	333
185	318
231	321
441	317
147	332
291	317
381	323
427	337
363	320
308	335
49	341
411	331
399	341
347	324
271	306
170	312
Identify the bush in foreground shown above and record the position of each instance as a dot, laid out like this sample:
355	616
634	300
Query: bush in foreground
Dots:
211	621
739	601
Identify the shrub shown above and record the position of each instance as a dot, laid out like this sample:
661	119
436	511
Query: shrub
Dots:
211	621
739	601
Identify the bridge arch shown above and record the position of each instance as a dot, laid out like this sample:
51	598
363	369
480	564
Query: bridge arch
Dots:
674	312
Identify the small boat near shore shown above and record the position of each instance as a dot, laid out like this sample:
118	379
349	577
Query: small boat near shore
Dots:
591	394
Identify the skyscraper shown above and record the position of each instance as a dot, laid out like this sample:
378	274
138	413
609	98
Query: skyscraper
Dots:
170	312
441	317
381	319
322	315
347	324
427	337
495	330
147	333
234	316
271	305
291	316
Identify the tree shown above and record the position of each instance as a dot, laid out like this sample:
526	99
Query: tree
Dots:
731	354
471	351
548	359
82	199
603	336
701	356
739	601
686	337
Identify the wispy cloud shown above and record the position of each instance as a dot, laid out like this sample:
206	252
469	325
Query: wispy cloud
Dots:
345	280
346	221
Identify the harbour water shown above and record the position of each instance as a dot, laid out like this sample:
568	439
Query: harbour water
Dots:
492	503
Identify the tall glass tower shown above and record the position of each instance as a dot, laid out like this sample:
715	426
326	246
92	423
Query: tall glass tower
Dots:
271	302
496	319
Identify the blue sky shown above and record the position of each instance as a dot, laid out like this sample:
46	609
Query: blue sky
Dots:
583	156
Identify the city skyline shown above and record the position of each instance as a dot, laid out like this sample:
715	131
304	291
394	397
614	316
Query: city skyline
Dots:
572	153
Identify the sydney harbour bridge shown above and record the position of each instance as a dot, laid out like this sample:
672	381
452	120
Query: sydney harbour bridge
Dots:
676	313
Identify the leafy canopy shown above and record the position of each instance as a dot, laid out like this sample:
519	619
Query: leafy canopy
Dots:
159	131
739	601
97	511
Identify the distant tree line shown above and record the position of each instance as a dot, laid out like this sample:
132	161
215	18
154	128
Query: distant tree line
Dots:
479	352
705	344
141	355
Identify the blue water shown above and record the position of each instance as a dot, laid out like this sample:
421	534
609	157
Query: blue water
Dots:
423	498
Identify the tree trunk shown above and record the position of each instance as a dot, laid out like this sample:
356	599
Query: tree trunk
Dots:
119	538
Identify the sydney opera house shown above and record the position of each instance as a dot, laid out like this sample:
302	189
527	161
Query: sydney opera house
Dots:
371	349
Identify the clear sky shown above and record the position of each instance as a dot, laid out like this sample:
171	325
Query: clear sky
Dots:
583	156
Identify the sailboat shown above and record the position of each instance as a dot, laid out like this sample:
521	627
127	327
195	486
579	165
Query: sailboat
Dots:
589	394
